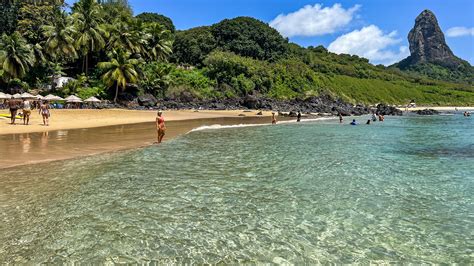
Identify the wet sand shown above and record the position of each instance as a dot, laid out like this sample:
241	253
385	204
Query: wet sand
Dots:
36	147
87	118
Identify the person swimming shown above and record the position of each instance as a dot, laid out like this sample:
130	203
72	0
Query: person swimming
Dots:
160	126
354	122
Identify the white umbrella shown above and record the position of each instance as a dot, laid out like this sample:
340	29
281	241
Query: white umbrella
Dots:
39	97
73	99
4	96
51	97
92	100
27	95
17	96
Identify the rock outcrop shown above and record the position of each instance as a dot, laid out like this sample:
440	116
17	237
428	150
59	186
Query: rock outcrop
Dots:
427	112
428	45
383	109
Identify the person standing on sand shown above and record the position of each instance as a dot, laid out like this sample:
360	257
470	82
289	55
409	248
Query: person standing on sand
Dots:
160	126
13	105
26	111
274	120
44	111
298	117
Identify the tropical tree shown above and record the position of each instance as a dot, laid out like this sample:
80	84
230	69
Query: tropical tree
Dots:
120	70
159	43
128	36
60	38
16	56
88	22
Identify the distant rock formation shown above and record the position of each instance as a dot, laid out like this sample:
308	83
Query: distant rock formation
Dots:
429	53
427	43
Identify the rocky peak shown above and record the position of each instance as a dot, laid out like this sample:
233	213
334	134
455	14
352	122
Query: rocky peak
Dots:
427	43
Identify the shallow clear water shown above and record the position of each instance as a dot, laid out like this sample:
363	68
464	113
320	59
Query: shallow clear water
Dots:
398	191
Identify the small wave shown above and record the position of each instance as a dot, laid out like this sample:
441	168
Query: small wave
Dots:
218	126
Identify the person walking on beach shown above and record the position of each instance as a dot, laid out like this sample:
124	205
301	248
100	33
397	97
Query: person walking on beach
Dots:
274	120
160	126
26	111
13	105
298	119
44	111
340	118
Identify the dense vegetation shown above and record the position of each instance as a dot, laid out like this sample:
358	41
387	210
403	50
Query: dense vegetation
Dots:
109	51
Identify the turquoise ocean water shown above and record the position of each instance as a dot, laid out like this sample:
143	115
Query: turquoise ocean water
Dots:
397	191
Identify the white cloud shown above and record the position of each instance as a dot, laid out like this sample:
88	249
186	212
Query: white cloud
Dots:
460	31
370	42
314	20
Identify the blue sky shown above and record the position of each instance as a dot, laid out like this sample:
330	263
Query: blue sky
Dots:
376	29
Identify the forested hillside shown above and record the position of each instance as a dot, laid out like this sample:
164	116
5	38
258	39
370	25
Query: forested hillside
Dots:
113	54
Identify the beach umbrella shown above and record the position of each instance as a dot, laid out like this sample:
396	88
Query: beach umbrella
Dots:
17	96
51	97
39	97
73	99
4	96
27	95
92	100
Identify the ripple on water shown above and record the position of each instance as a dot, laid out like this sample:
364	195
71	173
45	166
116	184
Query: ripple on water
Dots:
309	193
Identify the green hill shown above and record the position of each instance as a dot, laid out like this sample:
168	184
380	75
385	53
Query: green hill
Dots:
233	58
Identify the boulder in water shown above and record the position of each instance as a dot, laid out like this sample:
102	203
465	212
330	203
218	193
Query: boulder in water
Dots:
427	112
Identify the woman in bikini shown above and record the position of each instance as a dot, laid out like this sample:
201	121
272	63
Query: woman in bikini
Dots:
44	111
160	126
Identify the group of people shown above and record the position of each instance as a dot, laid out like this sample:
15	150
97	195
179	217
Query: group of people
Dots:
467	114
26	106
374	118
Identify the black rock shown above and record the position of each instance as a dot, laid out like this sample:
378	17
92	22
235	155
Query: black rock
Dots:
147	100
383	109
427	112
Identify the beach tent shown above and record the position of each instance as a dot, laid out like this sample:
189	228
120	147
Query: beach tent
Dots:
73	99
92	100
26	95
4	96
17	96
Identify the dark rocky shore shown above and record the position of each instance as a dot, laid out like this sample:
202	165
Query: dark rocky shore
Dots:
321	104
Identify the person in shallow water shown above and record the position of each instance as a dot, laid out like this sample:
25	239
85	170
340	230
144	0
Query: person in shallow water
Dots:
340	118
374	117
298	119
160	126
354	122
368	122
274	120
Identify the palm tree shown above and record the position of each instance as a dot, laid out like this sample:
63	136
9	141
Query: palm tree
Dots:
60	38
125	36
159	42
120	70
87	19
16	56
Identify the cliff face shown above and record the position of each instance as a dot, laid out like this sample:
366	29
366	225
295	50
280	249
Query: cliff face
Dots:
427	43
431	56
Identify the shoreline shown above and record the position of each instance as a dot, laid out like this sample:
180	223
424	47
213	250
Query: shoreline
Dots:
67	119
42	147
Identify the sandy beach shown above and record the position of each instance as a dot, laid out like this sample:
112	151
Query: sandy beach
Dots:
440	108
75	119
76	133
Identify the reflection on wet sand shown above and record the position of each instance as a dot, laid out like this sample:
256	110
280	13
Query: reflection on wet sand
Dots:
18	149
